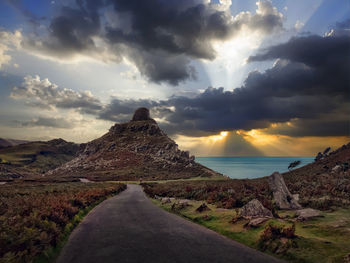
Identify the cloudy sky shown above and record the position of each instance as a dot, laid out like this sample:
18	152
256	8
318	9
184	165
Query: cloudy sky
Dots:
221	77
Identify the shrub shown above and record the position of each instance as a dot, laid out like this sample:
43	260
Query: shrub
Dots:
34	217
277	238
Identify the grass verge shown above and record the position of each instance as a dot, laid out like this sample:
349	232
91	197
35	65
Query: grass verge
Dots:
324	239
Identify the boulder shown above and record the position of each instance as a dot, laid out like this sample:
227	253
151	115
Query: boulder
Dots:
181	204
307	213
255	222
296	197
282	197
336	169
185	202
166	200
203	207
255	209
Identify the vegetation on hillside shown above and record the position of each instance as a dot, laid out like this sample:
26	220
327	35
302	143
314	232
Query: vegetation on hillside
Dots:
323	185
37	217
34	158
223	193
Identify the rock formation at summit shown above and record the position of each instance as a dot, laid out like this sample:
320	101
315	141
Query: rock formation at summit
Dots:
131	151
141	114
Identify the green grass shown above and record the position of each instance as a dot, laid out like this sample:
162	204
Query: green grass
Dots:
324	239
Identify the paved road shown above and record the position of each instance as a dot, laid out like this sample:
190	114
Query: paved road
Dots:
129	228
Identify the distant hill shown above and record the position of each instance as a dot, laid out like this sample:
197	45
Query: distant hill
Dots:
324	182
130	151
10	142
35	157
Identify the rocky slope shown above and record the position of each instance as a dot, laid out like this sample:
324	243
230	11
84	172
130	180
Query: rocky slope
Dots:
325	182
130	151
34	158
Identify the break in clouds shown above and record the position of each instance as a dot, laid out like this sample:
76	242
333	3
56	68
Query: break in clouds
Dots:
306	92
159	37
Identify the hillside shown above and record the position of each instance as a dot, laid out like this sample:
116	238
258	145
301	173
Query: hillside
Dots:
10	142
34	157
130	151
324	182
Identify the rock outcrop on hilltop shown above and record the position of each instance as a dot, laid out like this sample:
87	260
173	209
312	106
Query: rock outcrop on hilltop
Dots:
141	114
130	151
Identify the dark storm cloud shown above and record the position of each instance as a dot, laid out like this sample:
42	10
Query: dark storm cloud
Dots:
325	126
327	57
160	37
309	82
70	33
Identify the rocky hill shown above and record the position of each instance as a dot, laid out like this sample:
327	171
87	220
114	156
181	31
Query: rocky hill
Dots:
130	151
34	158
324	182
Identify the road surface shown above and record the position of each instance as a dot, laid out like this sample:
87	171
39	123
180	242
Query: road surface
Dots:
130	228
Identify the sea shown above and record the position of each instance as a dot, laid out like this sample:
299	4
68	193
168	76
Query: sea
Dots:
250	167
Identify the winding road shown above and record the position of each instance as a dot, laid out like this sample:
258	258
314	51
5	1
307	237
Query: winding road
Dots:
130	228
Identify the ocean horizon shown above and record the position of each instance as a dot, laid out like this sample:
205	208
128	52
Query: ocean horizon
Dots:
251	167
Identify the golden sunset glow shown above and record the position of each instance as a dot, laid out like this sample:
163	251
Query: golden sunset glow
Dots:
265	144
224	133
282	145
258	138
219	137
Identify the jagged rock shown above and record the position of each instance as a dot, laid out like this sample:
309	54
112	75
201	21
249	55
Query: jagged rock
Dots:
307	213
141	114
319	156
255	209
203	207
322	155
131	150
282	197
326	151
256	222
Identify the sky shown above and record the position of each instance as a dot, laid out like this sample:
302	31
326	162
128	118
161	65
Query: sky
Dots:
221	77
